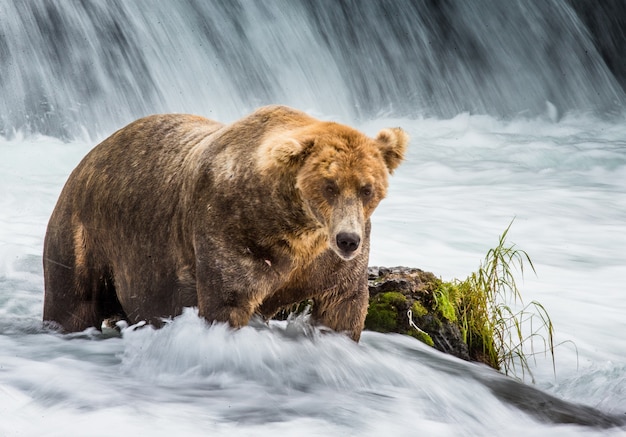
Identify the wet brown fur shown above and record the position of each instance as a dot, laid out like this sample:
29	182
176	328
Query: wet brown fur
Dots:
177	210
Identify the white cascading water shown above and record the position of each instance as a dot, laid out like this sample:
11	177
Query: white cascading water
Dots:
513	113
67	67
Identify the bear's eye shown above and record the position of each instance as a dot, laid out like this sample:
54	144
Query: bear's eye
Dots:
330	190
367	191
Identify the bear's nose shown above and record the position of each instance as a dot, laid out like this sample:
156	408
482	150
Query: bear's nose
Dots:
348	242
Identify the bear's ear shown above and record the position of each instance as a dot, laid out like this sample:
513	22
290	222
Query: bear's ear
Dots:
291	151
392	143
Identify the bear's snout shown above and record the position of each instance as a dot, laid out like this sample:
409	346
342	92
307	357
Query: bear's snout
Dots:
348	242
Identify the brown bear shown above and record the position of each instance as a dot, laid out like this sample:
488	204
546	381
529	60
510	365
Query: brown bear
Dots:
175	211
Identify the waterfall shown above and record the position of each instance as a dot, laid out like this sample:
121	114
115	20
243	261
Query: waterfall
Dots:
85	68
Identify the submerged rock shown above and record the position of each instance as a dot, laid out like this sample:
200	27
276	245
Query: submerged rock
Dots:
403	300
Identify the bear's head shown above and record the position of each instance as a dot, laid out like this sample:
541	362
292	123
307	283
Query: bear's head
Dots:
341	175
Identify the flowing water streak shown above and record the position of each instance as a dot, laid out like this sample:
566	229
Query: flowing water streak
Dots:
70	67
73	69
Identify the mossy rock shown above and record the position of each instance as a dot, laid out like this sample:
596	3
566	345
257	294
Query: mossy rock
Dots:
421	336
394	291
418	309
384	311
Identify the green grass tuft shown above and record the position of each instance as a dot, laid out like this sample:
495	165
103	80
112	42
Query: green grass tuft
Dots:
446	300
485	305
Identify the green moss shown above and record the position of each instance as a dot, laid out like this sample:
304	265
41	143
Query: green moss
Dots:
421	336
382	314
418	309
392	297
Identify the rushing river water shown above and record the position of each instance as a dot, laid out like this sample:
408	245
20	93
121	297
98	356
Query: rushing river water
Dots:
512	113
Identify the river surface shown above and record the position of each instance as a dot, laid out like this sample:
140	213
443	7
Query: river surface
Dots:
552	159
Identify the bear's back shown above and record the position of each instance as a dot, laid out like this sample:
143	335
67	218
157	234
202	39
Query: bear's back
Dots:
137	169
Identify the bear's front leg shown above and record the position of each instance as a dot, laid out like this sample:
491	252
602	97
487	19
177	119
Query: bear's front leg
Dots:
230	283
343	308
